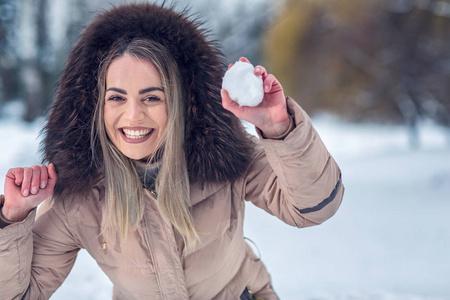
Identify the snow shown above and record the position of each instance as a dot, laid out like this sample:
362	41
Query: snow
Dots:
390	239
243	86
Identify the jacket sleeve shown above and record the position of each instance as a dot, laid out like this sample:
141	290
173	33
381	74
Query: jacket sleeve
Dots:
36	256
295	178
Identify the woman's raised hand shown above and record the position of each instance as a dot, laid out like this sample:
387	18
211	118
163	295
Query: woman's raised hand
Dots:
26	188
271	114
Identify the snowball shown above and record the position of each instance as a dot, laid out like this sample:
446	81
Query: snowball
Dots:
243	86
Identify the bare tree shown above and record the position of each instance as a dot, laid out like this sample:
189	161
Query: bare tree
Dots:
8	58
36	75
238	25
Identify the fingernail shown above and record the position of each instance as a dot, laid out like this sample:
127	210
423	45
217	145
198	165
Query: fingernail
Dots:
34	190
26	193
222	93
266	88
43	184
257	69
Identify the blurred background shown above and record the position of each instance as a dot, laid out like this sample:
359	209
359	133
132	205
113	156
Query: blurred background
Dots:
375	77
377	60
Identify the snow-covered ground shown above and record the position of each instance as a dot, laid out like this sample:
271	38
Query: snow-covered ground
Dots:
390	240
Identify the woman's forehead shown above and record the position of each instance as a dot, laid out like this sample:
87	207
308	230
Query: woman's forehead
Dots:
127	70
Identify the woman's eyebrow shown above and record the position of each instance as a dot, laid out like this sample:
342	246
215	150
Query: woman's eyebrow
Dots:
143	91
151	89
117	90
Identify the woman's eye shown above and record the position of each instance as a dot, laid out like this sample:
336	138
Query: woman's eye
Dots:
115	98
152	99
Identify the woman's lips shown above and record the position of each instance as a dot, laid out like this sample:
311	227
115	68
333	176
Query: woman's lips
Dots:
136	135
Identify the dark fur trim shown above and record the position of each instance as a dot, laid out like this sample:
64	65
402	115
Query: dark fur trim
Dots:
216	145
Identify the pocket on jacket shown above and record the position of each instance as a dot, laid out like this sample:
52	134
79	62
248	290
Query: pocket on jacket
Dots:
131	253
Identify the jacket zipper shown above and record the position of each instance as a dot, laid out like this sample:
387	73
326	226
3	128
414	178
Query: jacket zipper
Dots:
169	238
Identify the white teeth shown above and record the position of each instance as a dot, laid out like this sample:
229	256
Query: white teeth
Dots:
136	134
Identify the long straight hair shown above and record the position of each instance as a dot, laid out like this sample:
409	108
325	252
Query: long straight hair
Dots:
124	193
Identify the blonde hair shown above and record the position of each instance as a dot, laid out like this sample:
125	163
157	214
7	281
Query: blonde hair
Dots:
124	193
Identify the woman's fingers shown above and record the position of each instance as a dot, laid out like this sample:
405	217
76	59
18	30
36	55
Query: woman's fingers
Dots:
44	177
268	83
260	71
52	177
26	183
226	100
15	175
35	180
31	179
244	59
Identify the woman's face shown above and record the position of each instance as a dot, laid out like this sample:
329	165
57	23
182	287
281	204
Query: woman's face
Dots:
135	108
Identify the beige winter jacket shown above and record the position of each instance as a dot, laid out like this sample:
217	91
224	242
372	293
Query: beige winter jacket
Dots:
294	179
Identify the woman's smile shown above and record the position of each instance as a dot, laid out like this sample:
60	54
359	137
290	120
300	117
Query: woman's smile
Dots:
136	135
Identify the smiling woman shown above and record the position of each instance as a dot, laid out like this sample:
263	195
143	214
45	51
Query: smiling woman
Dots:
139	96
150	167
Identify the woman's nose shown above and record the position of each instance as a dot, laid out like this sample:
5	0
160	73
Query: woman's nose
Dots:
135	110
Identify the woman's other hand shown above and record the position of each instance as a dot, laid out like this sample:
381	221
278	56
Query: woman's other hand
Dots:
26	188
271	115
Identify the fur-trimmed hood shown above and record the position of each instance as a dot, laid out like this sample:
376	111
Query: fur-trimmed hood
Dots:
216	145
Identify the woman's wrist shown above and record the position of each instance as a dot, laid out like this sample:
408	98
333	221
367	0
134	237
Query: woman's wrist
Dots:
280	131
10	215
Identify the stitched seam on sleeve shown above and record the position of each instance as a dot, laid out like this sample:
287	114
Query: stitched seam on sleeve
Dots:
324	202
